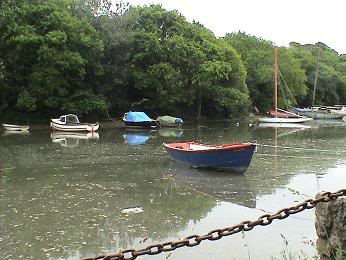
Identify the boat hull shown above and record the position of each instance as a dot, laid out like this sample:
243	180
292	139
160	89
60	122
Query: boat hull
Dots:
143	124
282	120
316	114
231	160
75	128
15	127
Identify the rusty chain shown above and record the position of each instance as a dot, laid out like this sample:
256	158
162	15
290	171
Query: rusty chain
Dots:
216	234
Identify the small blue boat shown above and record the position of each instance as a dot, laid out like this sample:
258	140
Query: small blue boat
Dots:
234	157
139	120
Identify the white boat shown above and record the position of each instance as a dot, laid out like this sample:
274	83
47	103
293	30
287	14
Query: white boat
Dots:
288	117
71	123
15	127
283	120
340	112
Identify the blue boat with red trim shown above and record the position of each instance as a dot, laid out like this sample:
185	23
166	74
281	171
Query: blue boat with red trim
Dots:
235	157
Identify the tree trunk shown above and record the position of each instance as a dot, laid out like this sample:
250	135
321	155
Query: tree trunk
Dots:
199	105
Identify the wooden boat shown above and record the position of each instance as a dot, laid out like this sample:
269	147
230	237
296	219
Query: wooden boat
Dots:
70	123
233	157
9	127
139	120
170	121
279	115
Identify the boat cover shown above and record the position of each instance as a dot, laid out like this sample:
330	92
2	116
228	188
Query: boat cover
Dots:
137	117
169	120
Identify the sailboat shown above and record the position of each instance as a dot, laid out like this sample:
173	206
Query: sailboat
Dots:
320	112
279	115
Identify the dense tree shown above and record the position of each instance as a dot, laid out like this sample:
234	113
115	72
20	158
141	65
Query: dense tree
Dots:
178	65
88	56
51	58
257	55
330	82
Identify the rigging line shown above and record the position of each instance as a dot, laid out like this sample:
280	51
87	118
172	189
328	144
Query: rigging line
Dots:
284	97
297	148
289	91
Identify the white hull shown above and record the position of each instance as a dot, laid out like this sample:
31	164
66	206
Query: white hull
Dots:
15	127
340	113
76	127
282	120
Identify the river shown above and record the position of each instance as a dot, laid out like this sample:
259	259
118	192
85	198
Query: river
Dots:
62	196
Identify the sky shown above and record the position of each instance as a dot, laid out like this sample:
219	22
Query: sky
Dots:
280	21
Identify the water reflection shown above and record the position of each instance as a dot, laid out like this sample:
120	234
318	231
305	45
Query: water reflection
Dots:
327	123
223	186
9	132
171	132
283	125
71	139
67	203
137	138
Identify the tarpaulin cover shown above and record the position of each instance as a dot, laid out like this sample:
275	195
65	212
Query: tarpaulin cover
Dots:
137	117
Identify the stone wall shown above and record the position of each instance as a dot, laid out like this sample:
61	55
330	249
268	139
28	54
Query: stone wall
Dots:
331	229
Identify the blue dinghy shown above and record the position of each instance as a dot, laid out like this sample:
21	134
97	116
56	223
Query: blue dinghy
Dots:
139	120
232	157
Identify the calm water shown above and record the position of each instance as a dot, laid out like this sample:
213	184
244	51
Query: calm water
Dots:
62	196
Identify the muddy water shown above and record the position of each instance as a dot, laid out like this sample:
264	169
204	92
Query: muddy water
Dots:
62	195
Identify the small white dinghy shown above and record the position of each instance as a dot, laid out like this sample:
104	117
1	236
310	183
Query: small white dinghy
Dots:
71	123
9	127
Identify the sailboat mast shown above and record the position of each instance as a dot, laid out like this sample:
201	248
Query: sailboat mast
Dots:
276	81
316	76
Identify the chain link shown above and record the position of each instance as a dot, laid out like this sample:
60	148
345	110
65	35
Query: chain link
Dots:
217	234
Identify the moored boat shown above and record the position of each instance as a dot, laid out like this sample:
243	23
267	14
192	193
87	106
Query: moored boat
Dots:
15	127
318	113
139	120
279	115
234	157
71	123
341	111
170	121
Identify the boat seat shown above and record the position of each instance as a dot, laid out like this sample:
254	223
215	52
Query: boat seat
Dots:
200	147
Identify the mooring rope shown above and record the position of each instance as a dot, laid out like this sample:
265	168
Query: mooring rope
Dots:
295	157
299	148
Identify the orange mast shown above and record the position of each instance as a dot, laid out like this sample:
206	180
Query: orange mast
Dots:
276	81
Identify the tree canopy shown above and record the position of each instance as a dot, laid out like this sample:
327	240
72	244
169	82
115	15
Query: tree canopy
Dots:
89	56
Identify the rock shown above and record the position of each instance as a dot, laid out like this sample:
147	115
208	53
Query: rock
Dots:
330	227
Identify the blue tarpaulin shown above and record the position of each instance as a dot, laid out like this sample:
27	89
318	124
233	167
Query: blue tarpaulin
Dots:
137	117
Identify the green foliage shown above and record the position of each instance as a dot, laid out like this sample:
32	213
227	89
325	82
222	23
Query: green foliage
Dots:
176	64
86	102
331	84
86	56
257	55
49	54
